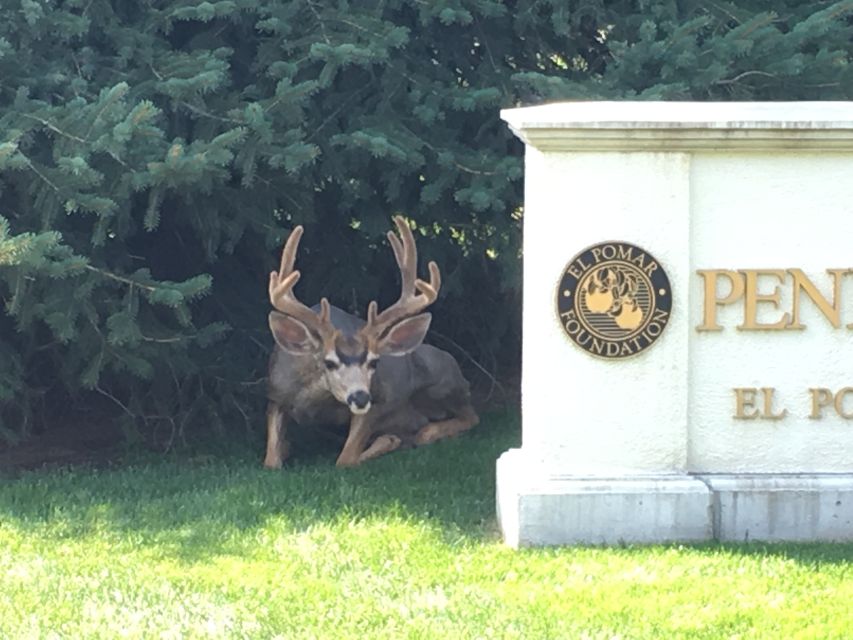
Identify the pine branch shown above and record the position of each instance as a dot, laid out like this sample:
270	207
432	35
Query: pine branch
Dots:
114	95
212	116
37	172
115	400
56	129
319	20
458	165
118	278
745	74
346	103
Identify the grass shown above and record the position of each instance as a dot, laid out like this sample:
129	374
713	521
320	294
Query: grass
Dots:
405	547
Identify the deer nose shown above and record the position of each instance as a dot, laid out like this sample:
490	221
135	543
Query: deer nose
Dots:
359	399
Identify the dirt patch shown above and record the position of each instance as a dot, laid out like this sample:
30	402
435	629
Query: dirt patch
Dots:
76	443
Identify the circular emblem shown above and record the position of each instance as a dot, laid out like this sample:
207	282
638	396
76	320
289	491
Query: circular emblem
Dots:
614	300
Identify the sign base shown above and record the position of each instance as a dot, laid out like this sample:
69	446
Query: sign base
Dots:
536	509
788	507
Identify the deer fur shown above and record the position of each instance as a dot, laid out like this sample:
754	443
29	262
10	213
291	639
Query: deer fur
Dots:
329	367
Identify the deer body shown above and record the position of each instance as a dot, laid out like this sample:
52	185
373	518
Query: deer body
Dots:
332	368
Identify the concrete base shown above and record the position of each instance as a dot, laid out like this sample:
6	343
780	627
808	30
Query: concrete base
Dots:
535	509
782	507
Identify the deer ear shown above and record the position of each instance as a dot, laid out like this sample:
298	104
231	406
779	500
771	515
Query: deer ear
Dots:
291	335
406	336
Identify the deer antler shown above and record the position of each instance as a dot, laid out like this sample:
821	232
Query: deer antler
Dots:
410	302
281	290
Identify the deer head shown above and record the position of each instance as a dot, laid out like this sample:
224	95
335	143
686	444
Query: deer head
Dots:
344	363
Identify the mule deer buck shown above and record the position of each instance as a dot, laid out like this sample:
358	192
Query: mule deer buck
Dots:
331	368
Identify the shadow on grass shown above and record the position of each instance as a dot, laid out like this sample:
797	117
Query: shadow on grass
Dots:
202	507
198	508
810	554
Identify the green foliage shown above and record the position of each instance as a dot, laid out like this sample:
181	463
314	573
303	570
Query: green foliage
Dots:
404	547
154	155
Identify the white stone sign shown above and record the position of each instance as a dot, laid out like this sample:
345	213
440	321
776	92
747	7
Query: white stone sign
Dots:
727	412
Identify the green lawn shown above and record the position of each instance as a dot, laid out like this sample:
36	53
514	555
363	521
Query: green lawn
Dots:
404	547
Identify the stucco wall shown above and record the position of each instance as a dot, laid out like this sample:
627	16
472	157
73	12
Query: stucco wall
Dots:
771	211
581	414
734	186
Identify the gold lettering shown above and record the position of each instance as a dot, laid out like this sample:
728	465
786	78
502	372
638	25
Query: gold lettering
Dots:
768	405
652	266
712	301
752	298
574	272
627	254
745	399
820	398
570	322
803	284
839	402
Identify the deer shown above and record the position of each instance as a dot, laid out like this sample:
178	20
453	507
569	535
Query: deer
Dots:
331	368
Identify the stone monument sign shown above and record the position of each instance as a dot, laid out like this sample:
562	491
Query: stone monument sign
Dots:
687	369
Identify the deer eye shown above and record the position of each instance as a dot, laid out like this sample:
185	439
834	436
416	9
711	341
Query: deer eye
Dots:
331	365
372	364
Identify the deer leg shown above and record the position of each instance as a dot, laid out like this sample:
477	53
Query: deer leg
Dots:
466	419
277	446
359	432
381	446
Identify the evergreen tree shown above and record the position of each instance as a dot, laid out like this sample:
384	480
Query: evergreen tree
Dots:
153	155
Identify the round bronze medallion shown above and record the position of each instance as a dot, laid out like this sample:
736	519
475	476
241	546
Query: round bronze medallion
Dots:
614	300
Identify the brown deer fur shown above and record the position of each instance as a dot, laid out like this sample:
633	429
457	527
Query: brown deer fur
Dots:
331	368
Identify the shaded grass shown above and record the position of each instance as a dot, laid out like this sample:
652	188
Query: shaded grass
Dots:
404	547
